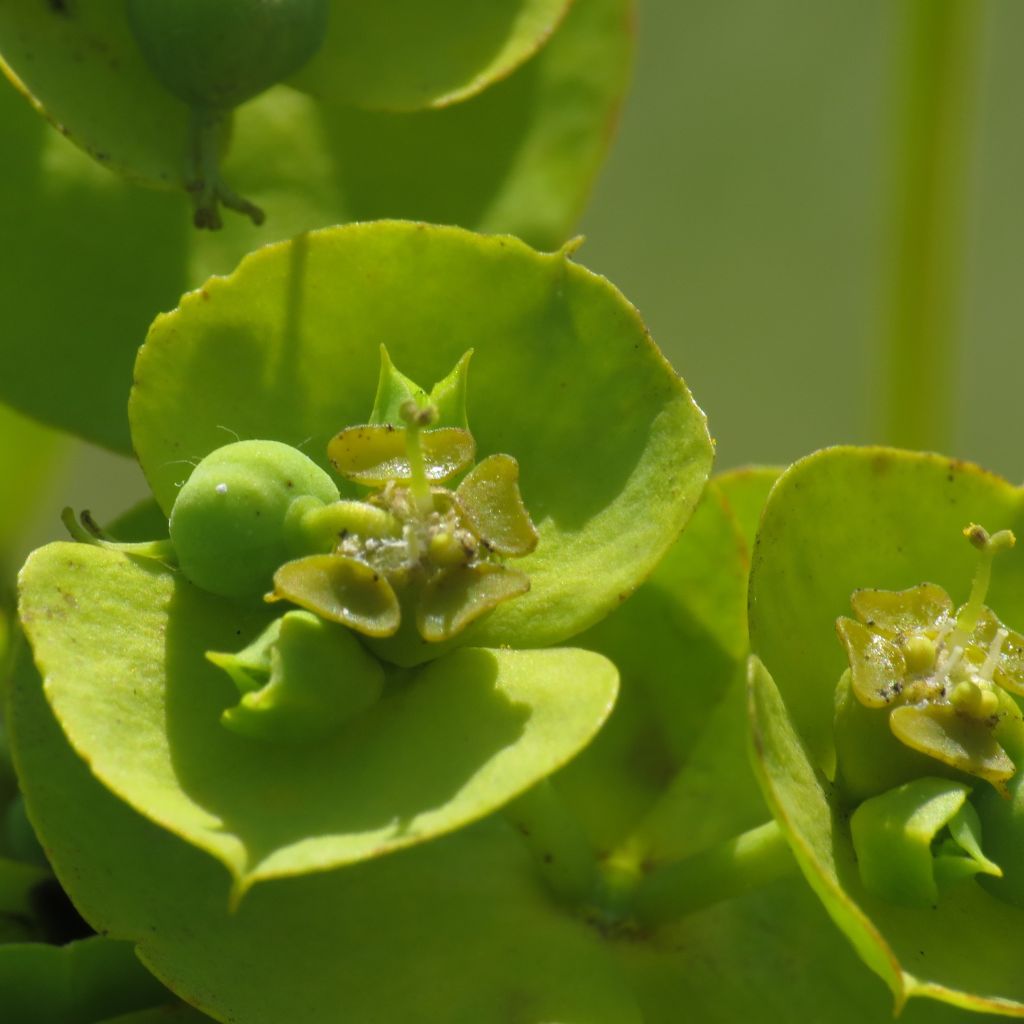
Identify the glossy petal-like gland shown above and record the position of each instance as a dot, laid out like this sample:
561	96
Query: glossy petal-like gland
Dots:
340	589
319	677
893	833
459	596
489	496
877	665
965	743
902	611
372	455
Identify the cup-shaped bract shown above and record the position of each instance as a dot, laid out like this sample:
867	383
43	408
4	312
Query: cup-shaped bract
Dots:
612	452
462	929
287	350
850	776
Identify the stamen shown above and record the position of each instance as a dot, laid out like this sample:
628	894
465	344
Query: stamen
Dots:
995	649
947	664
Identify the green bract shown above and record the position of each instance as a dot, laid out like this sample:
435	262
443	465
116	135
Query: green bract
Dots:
376	939
147	87
91	981
564	379
329	758
519	157
914	731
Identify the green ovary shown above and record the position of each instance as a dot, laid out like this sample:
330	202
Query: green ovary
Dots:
233	522
215	56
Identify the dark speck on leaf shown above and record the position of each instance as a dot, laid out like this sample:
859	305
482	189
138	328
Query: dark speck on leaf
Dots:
60	7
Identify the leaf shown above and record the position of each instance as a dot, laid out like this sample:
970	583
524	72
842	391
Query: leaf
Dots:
170	1014
668	774
401	54
519	158
80	65
29	453
371	942
558	355
85	982
347	929
442	748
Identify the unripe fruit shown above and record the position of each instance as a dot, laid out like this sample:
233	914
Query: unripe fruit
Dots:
215	54
231	525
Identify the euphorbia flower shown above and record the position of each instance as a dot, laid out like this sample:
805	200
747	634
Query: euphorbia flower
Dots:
412	542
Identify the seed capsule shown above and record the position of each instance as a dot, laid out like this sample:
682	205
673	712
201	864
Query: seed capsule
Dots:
238	517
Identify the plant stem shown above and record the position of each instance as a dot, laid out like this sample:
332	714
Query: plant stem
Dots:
745	862
932	145
564	855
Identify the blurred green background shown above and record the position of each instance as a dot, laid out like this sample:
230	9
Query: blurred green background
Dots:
747	209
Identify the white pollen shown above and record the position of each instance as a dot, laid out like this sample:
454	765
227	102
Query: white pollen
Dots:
221	488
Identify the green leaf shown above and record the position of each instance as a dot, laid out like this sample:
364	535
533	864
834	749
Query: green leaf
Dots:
955	951
372	941
170	1014
401	54
518	158
29	453
85	982
368	941
442	748
80	65
350	929
668	774
287	348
